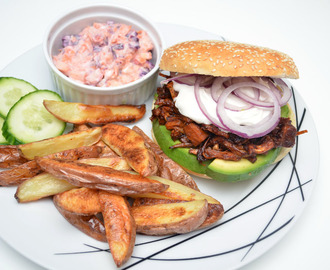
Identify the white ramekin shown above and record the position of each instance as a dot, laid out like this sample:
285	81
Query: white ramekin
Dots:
73	22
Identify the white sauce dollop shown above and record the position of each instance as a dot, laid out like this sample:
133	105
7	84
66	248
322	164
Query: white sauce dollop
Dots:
188	106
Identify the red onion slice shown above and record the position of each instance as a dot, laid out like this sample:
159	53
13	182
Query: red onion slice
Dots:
252	131
256	102
179	78
216	86
201	106
286	91
216	89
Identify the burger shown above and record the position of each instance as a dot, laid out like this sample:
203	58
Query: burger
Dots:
222	110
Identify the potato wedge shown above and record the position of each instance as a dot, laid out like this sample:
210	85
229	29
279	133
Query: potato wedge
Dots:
83	201
78	113
90	225
130	145
176	191
119	225
60	143
152	201
83	152
10	156
106	150
81	127
214	213
41	186
114	162
99	177
19	174
167	168
170	218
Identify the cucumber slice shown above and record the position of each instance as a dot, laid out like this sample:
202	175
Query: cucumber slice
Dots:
29	121
11	90
2	138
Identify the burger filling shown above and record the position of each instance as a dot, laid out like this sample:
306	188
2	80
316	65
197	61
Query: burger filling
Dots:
214	124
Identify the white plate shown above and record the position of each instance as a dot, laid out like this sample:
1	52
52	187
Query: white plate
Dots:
258	213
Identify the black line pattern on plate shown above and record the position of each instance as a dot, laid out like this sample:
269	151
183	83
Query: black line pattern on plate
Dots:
259	238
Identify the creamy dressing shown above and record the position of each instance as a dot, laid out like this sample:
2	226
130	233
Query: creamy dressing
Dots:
188	106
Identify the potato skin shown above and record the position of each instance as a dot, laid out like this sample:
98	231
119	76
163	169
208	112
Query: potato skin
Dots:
10	157
99	177
29	169
19	174
90	225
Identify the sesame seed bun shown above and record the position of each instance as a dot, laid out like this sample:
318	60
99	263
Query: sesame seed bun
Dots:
227	59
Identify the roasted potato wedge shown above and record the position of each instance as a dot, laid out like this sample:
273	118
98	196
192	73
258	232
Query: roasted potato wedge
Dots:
78	113
10	156
152	201
83	201
83	152
130	145
114	162
119	225
90	225
167	168
176	191
99	177
214	213
106	150
80	127
170	218
41	186
19	174
60	143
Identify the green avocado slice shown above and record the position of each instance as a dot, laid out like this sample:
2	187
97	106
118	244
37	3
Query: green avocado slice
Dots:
232	171
222	170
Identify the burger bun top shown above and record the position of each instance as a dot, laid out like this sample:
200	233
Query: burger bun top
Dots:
227	59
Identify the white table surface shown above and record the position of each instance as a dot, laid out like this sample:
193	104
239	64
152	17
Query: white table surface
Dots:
299	28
